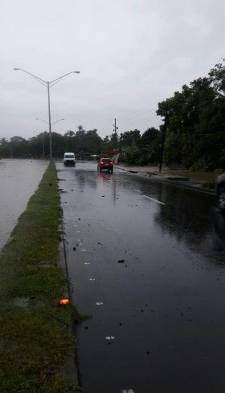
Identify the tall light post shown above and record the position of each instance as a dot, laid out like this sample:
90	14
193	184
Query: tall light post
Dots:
46	122
48	85
164	131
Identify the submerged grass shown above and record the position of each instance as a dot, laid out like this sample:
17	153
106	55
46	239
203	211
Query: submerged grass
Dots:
35	338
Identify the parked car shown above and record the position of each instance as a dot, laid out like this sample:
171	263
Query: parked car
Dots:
220	192
105	164
69	159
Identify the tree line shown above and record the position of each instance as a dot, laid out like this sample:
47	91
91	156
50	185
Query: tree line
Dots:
192	134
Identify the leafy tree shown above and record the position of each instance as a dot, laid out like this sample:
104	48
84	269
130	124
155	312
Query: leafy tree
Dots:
217	78
69	134
194	120
132	154
18	147
150	146
131	137
4	148
93	141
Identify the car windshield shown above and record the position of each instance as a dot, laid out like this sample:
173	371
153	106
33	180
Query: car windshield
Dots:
69	155
106	160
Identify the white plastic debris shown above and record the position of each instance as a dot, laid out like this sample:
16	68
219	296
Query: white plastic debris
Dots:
127	391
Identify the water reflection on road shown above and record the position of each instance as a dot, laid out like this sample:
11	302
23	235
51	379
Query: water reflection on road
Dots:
148	265
18	181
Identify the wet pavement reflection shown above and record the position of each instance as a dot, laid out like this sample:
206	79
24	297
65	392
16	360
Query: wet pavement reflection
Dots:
146	262
18	181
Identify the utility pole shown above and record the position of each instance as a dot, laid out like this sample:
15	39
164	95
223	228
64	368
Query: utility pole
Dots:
114	139
164	129
115	128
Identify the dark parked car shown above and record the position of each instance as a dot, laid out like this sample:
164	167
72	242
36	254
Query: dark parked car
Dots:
220	192
105	164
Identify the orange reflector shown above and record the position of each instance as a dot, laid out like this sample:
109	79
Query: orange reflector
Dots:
64	301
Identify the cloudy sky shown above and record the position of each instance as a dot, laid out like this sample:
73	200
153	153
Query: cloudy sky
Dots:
131	54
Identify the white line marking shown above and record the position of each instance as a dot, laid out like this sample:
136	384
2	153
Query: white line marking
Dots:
154	200
99	303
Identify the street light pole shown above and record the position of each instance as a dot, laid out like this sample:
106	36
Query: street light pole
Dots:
162	148
49	122
48	84
164	130
45	121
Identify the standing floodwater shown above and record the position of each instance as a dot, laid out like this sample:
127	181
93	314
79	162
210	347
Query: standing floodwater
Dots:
18	181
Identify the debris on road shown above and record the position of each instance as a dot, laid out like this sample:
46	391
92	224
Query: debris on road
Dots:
128	391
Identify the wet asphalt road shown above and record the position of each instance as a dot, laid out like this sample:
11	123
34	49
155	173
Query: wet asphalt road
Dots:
158	316
18	181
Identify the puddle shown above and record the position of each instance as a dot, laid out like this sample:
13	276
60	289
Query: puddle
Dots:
12	178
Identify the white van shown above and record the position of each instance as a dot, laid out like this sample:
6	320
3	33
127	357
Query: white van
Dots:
69	159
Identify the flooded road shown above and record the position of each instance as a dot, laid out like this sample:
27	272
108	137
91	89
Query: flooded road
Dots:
18	181
147	262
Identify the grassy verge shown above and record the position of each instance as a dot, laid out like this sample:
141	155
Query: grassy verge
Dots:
34	328
195	175
206	179
203	178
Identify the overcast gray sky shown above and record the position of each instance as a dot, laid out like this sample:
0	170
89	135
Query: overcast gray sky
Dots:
131	54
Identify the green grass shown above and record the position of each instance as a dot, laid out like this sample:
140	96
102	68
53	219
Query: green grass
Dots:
34	329
206	179
198	176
